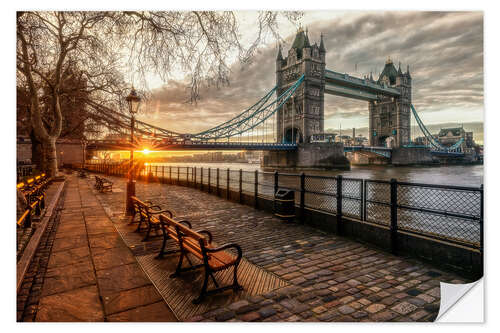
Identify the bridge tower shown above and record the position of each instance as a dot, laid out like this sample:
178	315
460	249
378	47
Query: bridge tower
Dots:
389	117
302	115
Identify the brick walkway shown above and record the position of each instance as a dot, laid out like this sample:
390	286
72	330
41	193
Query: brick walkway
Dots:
332	278
91	274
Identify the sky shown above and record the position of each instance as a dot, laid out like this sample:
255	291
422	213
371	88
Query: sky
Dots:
443	49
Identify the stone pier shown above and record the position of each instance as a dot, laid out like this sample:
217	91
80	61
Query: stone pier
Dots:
308	156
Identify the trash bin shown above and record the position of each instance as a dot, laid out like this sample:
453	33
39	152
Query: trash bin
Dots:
284	204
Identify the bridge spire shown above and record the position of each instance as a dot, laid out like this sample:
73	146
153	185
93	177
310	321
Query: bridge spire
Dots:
280	56
322	45
399	69
408	71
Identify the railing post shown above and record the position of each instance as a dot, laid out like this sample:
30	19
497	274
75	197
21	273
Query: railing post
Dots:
163	174
195	180
209	185
481	231
170	175
201	178
339	205
302	196
275	182
178	175
394	215
218	193
256	189
227	184
241	185
364	197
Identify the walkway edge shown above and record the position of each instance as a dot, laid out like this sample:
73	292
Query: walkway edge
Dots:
29	251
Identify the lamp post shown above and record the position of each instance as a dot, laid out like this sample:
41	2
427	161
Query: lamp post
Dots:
84	148
133	101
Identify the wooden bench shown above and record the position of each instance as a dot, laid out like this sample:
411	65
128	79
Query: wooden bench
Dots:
214	259
148	214
33	192
102	184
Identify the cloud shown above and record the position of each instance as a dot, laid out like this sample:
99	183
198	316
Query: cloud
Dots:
444	51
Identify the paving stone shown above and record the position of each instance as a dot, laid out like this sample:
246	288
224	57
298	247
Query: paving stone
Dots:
434	292
132	298
404	308
119	278
386	315
69	257
346	309
224	316
69	277
359	314
374	308
267	312
81	304
418	315
426	298
247	308
156	312
251	316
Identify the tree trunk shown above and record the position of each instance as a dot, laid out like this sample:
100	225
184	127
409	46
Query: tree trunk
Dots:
36	151
50	156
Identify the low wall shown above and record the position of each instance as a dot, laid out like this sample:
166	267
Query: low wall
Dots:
308	156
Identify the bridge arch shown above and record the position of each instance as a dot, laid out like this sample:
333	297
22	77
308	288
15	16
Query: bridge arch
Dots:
293	135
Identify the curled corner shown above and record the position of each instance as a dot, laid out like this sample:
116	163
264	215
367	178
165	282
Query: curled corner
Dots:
451	295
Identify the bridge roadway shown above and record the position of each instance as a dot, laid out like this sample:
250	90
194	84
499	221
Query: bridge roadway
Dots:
193	145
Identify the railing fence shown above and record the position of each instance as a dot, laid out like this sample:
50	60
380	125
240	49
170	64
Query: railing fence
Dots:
450	213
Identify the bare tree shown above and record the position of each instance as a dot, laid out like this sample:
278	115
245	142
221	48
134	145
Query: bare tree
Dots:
53	48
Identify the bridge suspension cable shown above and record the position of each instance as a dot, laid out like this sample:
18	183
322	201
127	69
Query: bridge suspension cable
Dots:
435	144
251	117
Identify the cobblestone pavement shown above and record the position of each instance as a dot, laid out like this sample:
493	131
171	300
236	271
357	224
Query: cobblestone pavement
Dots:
332	278
91	275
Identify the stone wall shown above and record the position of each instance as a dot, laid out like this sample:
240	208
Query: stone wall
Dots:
308	156
71	151
407	156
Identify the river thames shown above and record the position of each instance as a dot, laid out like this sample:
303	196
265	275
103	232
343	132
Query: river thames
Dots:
461	175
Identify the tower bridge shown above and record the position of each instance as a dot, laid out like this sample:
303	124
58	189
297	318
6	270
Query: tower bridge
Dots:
282	122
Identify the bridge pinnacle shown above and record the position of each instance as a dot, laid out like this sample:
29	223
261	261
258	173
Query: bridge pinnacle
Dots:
322	45
280	56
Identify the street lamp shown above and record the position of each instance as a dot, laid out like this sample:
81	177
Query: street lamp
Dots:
133	101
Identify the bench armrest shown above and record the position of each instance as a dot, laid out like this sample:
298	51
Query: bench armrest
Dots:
186	223
161	212
208	233
227	246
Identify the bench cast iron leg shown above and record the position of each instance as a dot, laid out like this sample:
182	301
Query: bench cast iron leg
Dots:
203	289
162	250
179	266
236	285
147	234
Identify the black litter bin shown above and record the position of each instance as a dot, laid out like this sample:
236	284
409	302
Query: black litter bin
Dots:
284	204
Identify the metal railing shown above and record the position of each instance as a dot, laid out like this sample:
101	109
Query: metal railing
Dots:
440	212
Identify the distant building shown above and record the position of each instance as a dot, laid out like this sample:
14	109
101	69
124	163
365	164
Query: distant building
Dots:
450	136
323	137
